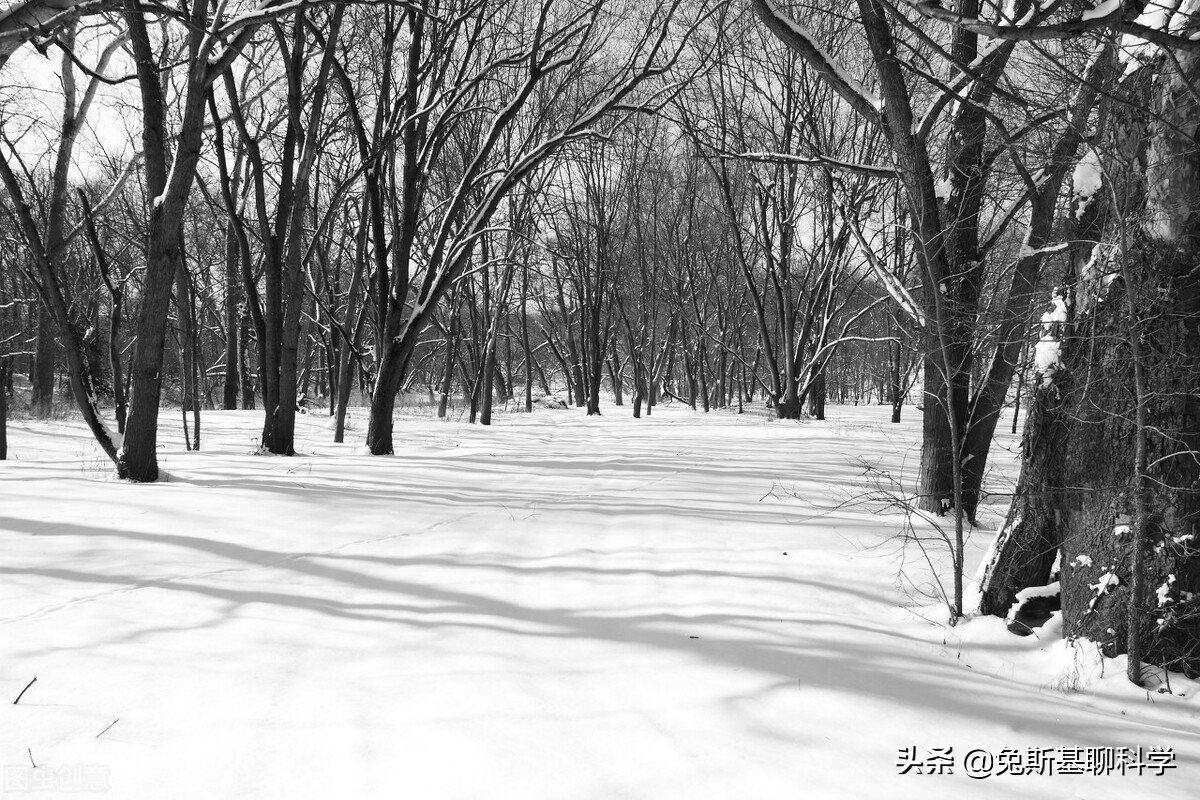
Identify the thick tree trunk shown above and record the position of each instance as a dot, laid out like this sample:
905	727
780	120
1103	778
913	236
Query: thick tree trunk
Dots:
139	460
936	478
818	395
1099	531
279	427
1027	545
1120	524
595	368
789	406
169	181
392	369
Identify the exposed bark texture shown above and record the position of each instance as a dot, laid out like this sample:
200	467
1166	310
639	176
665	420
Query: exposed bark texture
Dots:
1081	486
1024	552
1098	533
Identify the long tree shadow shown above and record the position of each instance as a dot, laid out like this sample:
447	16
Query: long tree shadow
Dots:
851	664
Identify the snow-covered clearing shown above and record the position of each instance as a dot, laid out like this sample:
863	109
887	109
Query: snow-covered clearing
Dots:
553	607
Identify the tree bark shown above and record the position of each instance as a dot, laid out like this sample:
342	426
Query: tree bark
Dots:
232	328
45	356
1120	524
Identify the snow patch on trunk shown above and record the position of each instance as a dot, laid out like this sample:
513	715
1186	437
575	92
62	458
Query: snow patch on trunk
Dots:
1086	181
1047	353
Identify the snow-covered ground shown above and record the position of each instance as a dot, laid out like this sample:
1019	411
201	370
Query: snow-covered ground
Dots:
687	606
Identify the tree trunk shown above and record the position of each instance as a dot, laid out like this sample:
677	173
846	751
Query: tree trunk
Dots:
447	378
896	388
789	406
487	382
232	300
936	473
246	377
45	354
1025	549
595	366
526	352
614	376
1091	444
190	401
818	395
1121	525
169	180
139	459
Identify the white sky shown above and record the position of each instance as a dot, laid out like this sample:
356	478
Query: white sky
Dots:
31	107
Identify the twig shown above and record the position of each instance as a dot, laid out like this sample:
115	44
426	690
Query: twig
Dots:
23	691
31	761
101	733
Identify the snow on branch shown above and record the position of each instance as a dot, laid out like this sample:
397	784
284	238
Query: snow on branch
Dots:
26	20
1028	251
804	43
891	282
870	170
115	190
272	9
1109	15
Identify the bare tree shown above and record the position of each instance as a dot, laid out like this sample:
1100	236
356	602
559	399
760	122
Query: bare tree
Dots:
542	81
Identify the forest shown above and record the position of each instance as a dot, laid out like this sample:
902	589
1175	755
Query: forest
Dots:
980	216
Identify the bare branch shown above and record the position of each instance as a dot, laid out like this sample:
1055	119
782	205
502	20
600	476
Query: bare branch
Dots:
817	160
1122	19
802	42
